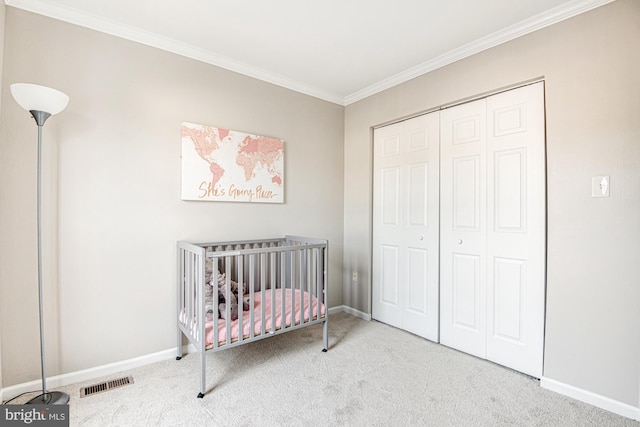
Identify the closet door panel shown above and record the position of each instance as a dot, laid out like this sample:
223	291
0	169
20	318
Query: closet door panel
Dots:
389	272
463	228
418	195
466	193
516	232
390	196
405	217
466	292
510	190
418	300
509	299
387	214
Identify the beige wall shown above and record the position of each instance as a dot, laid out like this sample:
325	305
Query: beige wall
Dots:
111	198
2	13
590	65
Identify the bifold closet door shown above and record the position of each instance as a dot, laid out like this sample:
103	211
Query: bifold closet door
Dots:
463	210
493	228
405	225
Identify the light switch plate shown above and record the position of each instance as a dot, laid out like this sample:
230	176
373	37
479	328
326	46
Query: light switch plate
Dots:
600	186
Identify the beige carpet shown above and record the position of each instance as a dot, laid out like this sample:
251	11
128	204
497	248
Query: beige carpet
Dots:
373	375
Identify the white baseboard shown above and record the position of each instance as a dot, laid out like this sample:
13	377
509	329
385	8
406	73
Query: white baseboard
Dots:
116	367
91	373
336	310
591	398
356	313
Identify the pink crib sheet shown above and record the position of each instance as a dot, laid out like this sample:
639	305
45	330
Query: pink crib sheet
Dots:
289	303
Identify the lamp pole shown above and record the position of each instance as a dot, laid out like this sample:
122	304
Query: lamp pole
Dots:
41	102
40	117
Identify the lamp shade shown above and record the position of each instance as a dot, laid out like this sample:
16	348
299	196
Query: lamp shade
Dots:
39	98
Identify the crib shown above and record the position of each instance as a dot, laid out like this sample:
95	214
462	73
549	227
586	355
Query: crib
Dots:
282	283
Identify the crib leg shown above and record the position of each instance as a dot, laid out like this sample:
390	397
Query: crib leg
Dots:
325	335
179	345
203	379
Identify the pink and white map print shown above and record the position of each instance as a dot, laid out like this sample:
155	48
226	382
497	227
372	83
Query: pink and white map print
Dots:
226	165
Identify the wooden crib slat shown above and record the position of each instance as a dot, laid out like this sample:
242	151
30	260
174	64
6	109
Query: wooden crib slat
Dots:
216	303
272	265
252	294
310	282
283	285
199	283
318	282
190	295
240	275
292	279
263	288
187	278
302	275
196	296
227	295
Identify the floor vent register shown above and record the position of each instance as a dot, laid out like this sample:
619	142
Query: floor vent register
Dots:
105	386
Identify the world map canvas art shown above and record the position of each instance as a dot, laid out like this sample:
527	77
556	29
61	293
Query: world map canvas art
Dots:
231	166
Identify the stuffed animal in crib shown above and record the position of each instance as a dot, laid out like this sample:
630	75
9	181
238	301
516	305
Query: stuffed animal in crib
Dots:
233	298
222	300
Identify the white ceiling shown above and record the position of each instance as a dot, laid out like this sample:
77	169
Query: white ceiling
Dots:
337	50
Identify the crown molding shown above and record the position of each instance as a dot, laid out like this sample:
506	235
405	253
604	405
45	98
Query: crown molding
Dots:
74	16
97	23
537	22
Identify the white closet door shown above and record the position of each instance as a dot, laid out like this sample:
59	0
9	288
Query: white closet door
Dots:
493	228
405	225
516	232
463	227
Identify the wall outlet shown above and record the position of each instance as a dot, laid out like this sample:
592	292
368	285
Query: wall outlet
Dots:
354	276
600	186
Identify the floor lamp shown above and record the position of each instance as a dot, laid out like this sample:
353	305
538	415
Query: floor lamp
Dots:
42	102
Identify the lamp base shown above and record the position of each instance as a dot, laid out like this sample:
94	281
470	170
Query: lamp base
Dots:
50	398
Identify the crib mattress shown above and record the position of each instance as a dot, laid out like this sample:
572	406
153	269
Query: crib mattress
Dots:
291	300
